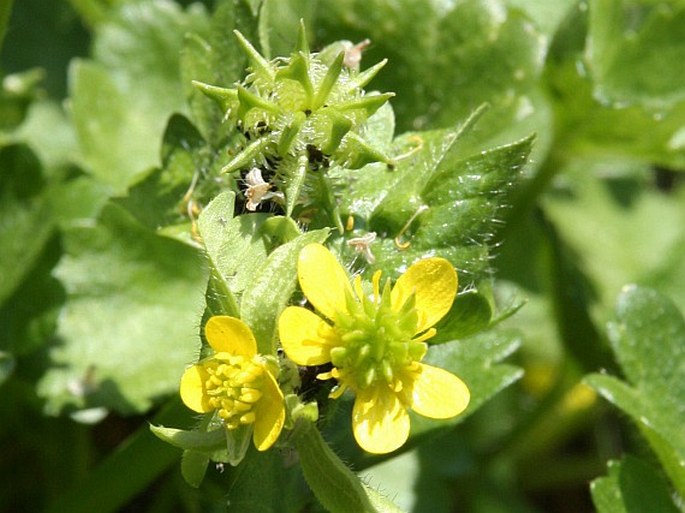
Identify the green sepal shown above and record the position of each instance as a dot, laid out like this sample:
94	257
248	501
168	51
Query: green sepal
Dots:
207	441
328	81
298	411
260	65
221	95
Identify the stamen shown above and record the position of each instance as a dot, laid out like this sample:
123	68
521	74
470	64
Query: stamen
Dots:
338	391
241	406
247	418
338	355
369	376
430	333
357	284
250	395
387	370
376	280
363	353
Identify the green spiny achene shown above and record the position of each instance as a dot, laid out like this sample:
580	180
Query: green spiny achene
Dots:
299	114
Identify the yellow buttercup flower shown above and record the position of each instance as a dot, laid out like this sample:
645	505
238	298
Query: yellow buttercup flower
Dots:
376	343
237	382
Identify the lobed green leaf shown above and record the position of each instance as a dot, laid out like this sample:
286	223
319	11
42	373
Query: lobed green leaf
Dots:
129	325
649	342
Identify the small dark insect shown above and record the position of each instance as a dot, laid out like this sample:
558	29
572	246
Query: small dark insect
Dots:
316	157
312	388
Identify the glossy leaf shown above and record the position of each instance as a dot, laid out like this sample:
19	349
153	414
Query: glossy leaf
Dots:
645	237
129	325
5	9
163	196
129	90
590	127
470	313
648	339
632	486
454	63
25	213
636	51
274	284
478	362
234	245
444	204
214	57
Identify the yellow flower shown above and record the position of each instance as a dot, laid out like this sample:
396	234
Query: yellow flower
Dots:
376	344
237	382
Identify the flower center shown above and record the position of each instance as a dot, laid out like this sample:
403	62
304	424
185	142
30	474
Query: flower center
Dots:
234	387
376	343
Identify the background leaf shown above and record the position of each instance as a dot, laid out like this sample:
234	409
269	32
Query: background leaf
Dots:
25	215
450	46
130	323
649	341
632	486
130	88
635	50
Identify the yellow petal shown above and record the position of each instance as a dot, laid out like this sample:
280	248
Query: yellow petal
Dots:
434	281
270	414
323	280
305	336
438	394
380	421
193	389
230	335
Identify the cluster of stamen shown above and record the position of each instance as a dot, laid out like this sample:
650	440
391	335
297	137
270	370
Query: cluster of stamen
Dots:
234	387
375	345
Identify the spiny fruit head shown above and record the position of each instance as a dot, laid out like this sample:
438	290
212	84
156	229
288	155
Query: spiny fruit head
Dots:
307	110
